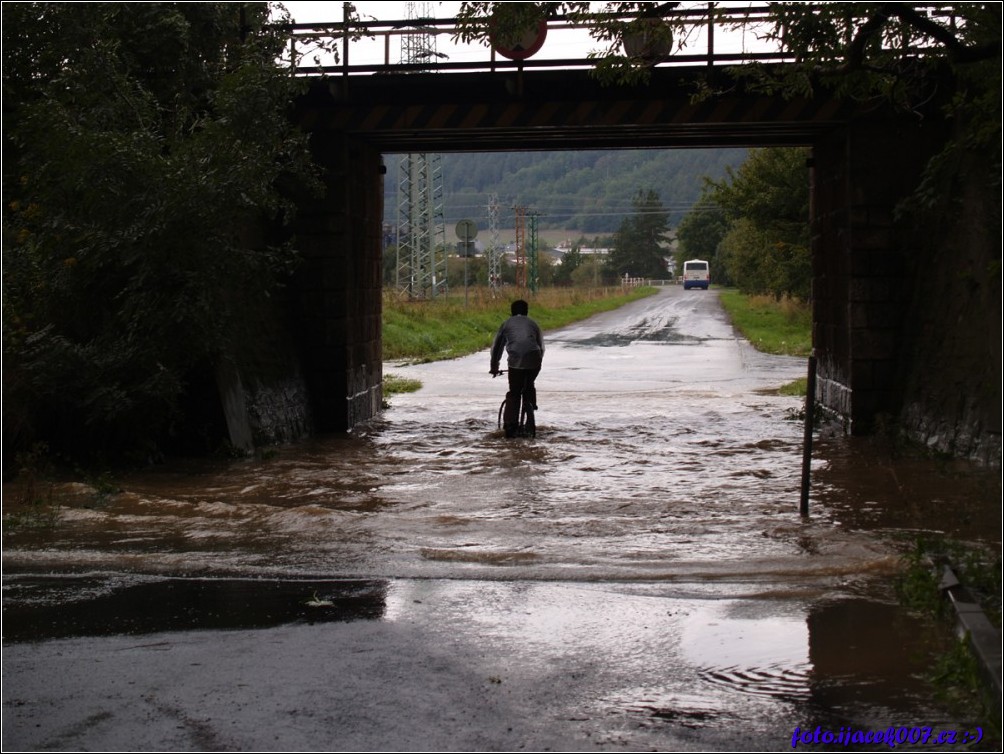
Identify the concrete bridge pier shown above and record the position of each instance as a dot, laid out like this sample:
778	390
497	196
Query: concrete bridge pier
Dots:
338	284
862	283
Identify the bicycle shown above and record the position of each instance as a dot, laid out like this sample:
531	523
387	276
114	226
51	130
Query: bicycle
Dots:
527	423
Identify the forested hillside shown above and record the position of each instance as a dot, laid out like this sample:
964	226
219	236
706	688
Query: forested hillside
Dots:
586	191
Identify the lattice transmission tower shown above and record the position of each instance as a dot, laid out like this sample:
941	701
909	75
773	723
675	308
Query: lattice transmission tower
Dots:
519	219
421	249
494	251
532	256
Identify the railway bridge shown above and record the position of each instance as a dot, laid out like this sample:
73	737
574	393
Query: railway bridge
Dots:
864	161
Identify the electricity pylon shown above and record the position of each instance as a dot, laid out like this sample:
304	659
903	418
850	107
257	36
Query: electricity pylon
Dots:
421	249
519	215
494	251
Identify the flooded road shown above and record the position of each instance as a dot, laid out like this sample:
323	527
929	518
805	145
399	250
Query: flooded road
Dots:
639	570
662	454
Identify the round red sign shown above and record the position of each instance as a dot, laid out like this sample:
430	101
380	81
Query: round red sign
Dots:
526	44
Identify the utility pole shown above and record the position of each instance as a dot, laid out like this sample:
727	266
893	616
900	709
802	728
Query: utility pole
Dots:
519	214
421	251
494	251
533	281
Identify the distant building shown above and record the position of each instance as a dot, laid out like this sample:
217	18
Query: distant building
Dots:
584	250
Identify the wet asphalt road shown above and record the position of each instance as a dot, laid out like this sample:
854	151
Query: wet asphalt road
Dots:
636	578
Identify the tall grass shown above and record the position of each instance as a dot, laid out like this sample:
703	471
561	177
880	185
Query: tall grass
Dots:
460	324
781	327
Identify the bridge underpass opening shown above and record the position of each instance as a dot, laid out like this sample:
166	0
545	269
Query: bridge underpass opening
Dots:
570	198
859	174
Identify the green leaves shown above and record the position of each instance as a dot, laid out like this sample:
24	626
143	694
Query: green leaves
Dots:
753	225
638	244
143	147
699	235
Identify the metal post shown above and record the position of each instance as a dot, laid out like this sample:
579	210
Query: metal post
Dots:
711	34
810	410
346	12
494	248
467	251
521	277
533	272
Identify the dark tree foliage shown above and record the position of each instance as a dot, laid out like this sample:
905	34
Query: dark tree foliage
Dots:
571	260
589	191
753	225
144	144
904	55
639	244
889	50
862	48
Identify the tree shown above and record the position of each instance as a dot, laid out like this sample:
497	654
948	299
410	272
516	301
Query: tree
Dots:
589	274
145	150
570	262
890	50
904	55
766	205
638	244
862	48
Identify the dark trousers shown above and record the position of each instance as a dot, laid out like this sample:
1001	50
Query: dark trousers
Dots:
520	384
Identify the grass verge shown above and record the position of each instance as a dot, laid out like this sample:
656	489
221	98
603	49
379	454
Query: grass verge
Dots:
955	673
31	506
772	326
782	327
394	384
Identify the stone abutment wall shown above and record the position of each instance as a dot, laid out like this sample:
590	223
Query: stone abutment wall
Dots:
338	285
906	317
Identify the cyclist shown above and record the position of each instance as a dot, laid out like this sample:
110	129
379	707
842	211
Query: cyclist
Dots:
520	337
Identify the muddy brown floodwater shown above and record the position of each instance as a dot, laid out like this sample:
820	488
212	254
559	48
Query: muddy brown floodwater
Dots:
647	542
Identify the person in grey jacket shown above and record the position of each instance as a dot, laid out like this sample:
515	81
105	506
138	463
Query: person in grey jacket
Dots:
520	337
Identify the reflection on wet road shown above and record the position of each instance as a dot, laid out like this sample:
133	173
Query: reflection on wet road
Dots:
663	453
653	518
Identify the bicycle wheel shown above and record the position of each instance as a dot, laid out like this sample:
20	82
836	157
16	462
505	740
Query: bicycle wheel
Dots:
527	423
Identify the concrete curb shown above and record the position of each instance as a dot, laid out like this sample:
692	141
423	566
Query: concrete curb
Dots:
972	624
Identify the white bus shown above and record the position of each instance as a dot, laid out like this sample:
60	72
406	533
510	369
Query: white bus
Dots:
696	274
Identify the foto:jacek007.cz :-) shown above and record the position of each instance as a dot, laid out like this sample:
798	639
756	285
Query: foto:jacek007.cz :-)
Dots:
892	737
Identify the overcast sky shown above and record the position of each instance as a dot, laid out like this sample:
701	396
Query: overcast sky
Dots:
307	12
560	44
566	44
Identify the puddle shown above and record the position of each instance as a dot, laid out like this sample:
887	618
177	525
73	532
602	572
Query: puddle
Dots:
37	608
645	331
